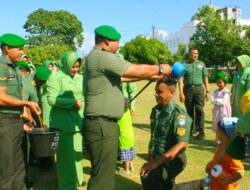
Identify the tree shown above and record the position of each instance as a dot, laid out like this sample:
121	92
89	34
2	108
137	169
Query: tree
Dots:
49	28
246	45
39	54
181	54
218	40
147	51
247	34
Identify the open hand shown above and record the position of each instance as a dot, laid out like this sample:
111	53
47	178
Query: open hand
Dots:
78	104
148	167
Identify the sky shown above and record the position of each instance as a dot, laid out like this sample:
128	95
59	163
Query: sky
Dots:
130	17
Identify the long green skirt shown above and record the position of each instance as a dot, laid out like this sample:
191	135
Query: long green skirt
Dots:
69	160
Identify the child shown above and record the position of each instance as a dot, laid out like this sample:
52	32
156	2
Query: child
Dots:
221	101
233	169
240	146
126	138
126	143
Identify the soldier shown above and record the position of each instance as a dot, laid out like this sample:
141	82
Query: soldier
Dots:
170	127
40	78
12	171
192	91
105	103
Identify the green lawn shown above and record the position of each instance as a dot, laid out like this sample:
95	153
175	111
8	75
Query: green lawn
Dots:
198	153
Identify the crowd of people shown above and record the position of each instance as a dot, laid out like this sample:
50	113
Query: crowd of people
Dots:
94	110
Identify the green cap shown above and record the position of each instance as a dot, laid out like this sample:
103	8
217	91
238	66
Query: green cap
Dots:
222	76
23	65
236	149
108	32
42	73
12	40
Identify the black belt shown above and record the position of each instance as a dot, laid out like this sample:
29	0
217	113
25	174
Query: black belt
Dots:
93	117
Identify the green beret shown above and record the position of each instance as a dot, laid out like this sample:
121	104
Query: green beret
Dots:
108	32
222	76
42	73
23	65
12	40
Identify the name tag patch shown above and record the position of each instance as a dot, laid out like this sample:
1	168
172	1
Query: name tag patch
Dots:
11	77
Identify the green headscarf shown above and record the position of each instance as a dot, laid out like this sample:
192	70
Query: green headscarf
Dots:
68	59
244	60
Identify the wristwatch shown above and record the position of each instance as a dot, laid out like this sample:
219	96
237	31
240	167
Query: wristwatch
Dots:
161	69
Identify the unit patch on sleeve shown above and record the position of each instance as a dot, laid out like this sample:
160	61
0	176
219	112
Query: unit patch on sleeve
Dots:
181	131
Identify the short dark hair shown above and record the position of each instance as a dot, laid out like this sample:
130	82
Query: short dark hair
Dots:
99	38
192	48
168	81
2	45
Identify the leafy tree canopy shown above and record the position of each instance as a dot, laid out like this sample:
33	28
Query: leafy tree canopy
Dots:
247	34
49	28
218	41
39	54
146	51
181	54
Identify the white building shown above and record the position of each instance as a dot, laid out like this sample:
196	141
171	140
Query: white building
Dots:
183	36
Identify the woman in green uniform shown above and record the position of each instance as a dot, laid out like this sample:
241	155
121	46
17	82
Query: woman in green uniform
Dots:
65	95
241	83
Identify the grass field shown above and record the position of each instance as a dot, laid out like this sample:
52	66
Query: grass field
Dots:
198	153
